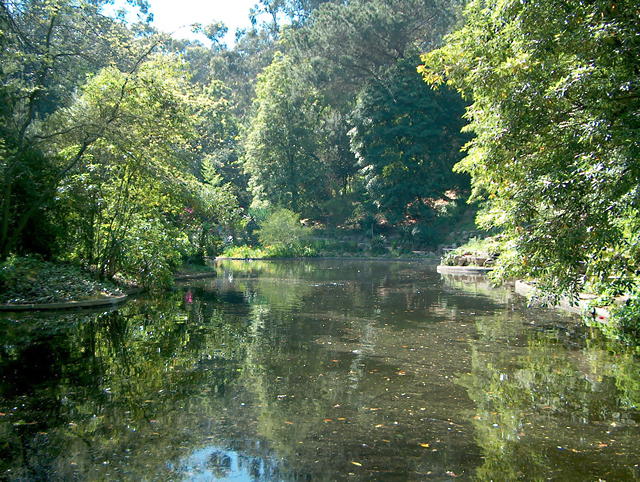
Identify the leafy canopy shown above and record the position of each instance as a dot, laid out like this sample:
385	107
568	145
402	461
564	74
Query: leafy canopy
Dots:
556	153
406	137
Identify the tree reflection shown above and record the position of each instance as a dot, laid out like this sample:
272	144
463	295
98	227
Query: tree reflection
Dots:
542	416
296	372
112	395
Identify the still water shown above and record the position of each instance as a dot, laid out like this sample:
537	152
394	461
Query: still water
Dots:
317	371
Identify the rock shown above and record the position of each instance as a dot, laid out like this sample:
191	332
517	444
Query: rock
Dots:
480	260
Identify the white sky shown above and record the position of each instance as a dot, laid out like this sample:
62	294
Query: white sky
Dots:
175	16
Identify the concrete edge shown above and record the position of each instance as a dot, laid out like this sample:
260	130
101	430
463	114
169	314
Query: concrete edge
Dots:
462	270
581	308
67	305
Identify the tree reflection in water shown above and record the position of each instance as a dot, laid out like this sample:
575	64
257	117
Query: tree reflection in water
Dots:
317	371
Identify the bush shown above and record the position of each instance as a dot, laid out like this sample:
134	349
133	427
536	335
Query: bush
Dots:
626	319
244	252
152	252
283	229
377	244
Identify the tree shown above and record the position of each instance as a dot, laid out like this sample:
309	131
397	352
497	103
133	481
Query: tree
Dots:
239	67
335	152
406	138
281	142
350	50
359	40
129	175
135	198
555	157
48	50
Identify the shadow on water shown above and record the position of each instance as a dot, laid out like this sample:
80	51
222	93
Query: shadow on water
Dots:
317	370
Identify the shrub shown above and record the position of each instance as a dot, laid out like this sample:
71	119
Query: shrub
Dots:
627	319
283	229
377	244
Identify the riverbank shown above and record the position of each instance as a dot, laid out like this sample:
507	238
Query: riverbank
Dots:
32	284
581	306
324	258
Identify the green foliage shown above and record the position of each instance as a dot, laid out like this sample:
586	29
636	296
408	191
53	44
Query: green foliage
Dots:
356	42
624	323
49	47
243	252
378	244
406	139
32	280
283	228
127	198
555	158
271	251
104	144
281	141
151	251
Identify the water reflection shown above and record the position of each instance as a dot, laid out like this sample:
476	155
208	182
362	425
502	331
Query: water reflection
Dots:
219	464
317	371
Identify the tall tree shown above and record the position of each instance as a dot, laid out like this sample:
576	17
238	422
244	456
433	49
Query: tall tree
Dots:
359	40
281	143
48	50
407	138
135	202
555	111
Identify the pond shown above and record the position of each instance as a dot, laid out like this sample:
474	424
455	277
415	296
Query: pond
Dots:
317	371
